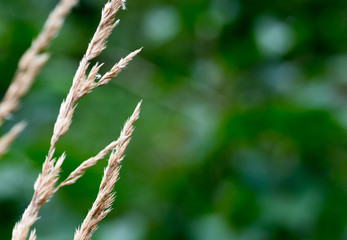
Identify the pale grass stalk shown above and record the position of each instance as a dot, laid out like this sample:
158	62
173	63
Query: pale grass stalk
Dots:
102	204
32	61
79	171
124	136
123	4
45	185
8	138
32	235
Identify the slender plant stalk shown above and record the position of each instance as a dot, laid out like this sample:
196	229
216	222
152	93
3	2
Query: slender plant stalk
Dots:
83	83
30	65
7	139
32	235
102	204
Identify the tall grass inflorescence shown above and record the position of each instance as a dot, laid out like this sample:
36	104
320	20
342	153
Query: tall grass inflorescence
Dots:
48	181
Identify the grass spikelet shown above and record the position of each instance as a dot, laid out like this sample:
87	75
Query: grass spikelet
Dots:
31	63
102	204
82	84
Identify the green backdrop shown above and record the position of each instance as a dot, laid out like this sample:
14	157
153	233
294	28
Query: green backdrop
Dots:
242	132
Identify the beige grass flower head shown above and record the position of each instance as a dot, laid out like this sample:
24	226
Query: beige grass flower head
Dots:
29	67
83	83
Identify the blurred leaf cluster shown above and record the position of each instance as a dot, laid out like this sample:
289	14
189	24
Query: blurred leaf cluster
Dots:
242	133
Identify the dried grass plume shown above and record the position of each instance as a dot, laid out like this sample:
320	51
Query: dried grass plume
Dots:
83	83
29	66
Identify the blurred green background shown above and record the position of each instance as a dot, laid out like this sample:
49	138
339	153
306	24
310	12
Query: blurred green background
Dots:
242	132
